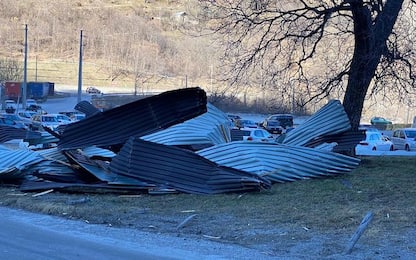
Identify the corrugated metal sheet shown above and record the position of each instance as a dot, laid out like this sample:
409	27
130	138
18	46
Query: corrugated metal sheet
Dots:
101	171
93	151
279	162
329	120
30	185
44	139
237	134
55	166
8	133
181	169
51	154
137	118
209	129
87	108
345	142
14	162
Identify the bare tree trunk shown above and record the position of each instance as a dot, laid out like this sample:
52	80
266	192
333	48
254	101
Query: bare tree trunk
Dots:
370	45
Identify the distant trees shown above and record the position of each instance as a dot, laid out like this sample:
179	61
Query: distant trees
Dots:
10	70
346	48
122	41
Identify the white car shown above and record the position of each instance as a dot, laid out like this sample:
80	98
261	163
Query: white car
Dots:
374	141
257	135
31	102
63	119
404	139
44	120
10	104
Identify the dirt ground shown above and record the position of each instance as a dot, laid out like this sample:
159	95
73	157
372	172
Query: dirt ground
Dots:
270	241
279	241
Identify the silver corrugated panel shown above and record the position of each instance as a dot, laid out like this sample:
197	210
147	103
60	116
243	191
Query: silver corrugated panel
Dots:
13	162
210	128
331	119
181	169
51	153
115	126
279	162
45	138
93	151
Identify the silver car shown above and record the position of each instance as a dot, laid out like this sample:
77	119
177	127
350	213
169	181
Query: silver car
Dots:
46	120
404	139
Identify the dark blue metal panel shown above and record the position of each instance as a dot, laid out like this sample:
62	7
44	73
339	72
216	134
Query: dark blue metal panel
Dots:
8	133
346	141
137	118
87	108
181	169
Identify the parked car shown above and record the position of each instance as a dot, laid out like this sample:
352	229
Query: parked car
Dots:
381	123
10	106
31	102
374	141
404	139
77	116
63	119
257	135
39	121
26	114
93	90
278	123
245	123
233	117
273	126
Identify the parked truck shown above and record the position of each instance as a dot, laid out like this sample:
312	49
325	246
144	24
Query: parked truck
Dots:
38	91
12	90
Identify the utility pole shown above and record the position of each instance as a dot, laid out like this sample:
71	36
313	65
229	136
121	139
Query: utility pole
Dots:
24	85
80	69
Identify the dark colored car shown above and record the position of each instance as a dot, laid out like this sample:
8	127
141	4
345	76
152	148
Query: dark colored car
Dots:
278	123
273	126
245	123
381	123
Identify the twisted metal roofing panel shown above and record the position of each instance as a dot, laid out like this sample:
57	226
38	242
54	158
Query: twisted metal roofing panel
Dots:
279	162
331	119
8	133
209	128
14	162
181	169
87	108
138	118
345	142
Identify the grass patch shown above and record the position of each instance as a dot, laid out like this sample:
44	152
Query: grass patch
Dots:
385	186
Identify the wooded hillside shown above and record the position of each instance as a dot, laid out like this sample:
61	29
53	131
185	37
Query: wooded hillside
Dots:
126	43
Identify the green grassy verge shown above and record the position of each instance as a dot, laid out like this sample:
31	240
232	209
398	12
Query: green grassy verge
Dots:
385	186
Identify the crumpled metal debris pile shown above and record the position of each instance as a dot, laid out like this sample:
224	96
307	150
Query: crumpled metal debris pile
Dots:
173	142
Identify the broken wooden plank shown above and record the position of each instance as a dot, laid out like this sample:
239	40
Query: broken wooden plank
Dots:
186	221
42	193
360	230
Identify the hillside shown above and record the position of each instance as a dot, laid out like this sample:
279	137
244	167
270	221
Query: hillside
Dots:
132	45
125	42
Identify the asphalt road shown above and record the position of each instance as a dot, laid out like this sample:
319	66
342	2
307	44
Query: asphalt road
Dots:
26	235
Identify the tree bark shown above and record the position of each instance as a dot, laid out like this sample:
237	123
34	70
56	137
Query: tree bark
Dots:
370	45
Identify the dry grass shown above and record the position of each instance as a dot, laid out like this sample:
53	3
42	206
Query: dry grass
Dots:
385	186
